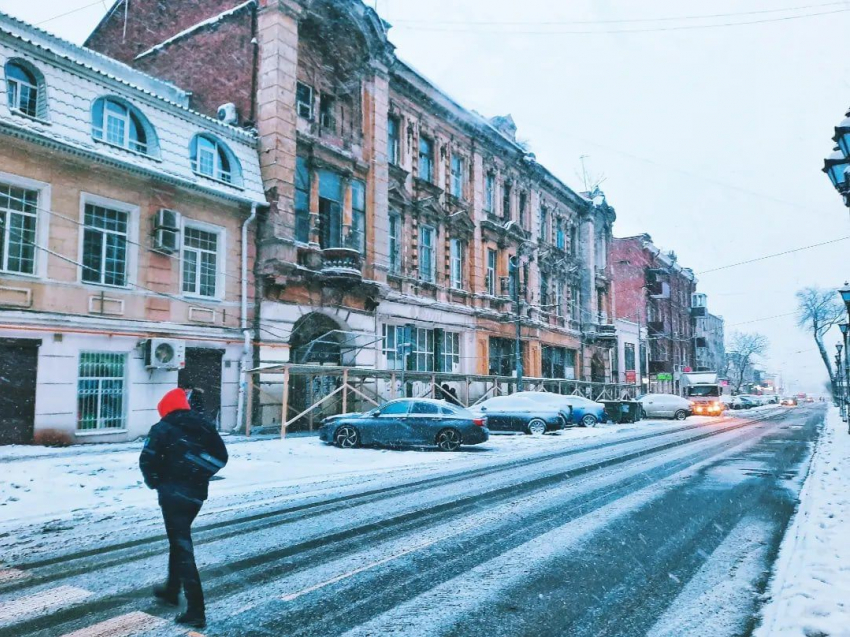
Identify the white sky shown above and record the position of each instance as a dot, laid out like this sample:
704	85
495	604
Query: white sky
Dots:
711	140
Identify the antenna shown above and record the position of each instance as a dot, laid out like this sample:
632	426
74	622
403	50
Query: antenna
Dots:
584	173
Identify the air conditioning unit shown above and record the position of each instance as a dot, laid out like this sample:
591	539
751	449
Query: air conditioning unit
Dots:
165	353
167	231
227	113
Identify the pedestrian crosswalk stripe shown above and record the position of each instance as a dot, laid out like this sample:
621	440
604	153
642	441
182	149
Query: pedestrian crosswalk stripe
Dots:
121	626
42	602
9	574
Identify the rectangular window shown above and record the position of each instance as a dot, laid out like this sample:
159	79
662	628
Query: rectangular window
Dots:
427	258
573	241
560	237
559	300
544	224
358	216
457	176
393	341
426	159
544	291
22	95
18	220
200	262
302	200
506	201
502	356
326	112
393	140
575	303
116	123
451	352
489	192
456	263
523	204
105	245
395	243
304	100
629	356
490	275
100	391
330	209
558	362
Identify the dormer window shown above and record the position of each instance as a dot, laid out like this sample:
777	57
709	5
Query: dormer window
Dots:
118	123
212	158
25	89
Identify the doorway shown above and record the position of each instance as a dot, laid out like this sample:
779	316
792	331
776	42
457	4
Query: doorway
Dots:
203	371
18	376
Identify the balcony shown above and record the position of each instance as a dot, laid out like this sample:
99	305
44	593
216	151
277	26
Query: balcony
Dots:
342	263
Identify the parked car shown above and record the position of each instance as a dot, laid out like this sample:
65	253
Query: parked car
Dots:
789	401
583	411
665	406
519	413
742	402
407	421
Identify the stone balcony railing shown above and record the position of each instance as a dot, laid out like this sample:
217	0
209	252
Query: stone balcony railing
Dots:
342	263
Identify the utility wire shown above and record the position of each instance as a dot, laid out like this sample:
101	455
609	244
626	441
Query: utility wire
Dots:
771	256
67	13
618	21
620	31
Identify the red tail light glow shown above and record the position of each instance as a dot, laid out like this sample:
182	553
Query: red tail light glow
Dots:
480	422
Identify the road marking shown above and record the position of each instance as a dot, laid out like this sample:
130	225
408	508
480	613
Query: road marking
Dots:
121	626
352	573
42	602
9	574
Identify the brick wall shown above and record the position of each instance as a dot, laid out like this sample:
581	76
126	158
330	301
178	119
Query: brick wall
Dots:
628	262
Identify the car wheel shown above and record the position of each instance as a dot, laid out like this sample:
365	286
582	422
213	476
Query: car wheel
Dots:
536	427
449	440
681	414
588	420
346	437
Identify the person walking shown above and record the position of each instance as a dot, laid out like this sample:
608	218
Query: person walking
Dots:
196	398
182	452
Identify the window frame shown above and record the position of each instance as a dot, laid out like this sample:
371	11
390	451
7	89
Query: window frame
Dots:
99	419
450	352
425	230
42	224
457	176
327	112
456	262
489	192
37	89
491	271
507	200
394	245
394	141
132	240
429	159
221	249
232	176
299	103
131	117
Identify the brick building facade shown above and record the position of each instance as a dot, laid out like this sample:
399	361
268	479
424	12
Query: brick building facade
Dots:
394	210
122	220
652	289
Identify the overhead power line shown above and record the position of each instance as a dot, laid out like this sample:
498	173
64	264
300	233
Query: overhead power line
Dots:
687	27
67	13
772	256
707	16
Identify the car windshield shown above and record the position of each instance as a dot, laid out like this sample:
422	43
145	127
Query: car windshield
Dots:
704	390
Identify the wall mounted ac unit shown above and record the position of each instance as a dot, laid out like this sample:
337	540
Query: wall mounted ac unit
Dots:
167	231
165	353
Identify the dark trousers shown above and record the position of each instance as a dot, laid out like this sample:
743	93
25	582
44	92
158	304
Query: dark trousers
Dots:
179	512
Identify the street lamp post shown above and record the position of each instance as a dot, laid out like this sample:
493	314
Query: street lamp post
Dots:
513	267
845	296
839	392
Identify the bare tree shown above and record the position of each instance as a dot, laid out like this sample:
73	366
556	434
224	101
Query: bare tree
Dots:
742	349
818	310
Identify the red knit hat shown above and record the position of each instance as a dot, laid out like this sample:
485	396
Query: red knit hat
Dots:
174	400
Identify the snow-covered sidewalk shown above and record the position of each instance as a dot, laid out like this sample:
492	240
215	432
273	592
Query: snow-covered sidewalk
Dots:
809	595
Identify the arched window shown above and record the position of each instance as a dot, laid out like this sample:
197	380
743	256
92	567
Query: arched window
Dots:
117	122
212	158
25	90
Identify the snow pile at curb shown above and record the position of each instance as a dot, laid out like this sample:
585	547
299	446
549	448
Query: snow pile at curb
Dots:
809	590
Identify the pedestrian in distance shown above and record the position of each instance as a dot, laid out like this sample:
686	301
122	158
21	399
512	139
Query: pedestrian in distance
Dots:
182	452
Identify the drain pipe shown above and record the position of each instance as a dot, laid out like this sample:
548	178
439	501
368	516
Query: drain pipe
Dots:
243	324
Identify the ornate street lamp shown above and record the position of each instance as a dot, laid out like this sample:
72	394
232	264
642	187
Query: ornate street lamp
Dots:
834	166
842	136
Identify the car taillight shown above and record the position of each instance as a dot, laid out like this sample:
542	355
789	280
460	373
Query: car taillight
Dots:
480	422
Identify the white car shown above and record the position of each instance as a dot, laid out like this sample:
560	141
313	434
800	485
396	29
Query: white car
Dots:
665	406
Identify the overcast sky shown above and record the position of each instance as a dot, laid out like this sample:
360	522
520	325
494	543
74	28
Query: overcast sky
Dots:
710	139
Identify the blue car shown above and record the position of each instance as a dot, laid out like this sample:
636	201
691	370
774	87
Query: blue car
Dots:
583	411
407	421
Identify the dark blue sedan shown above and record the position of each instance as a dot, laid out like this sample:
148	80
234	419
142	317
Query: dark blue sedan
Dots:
407	421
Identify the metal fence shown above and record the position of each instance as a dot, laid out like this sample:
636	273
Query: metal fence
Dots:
292	397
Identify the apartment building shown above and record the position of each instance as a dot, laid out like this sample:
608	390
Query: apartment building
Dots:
395	213
122	224
654	290
709	338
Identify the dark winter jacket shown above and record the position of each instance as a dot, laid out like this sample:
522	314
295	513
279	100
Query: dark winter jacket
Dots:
196	401
182	451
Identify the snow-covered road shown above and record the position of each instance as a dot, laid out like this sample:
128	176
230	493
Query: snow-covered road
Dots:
620	530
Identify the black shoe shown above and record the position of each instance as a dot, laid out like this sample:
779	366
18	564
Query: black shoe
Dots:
163	594
192	619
